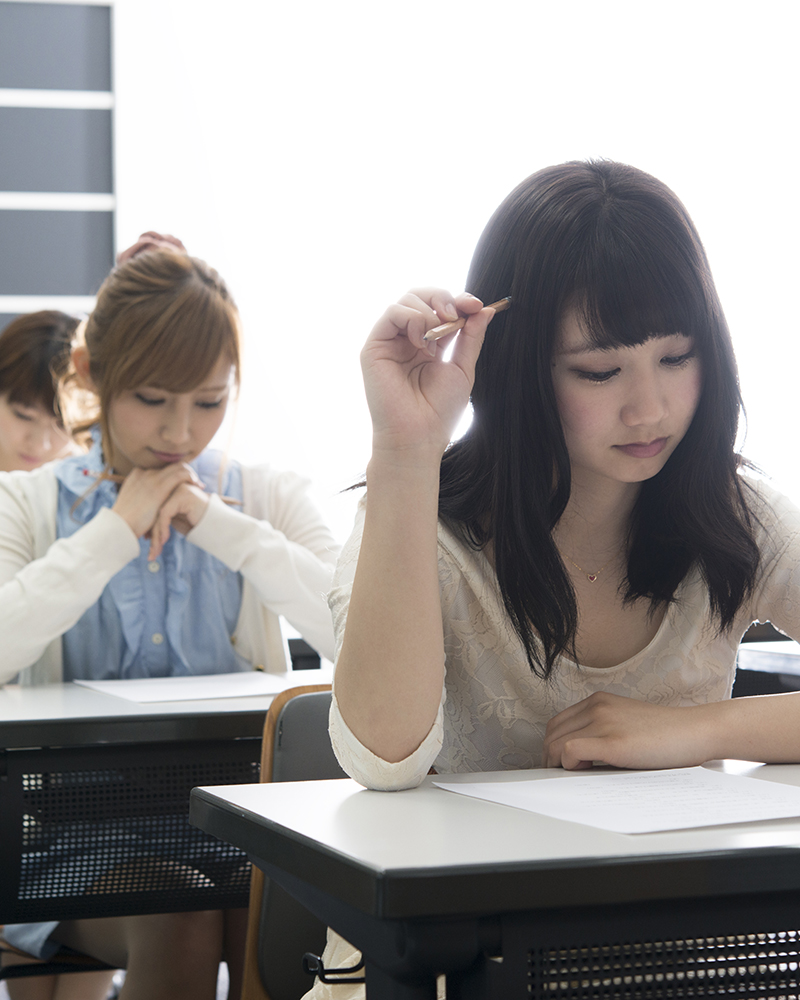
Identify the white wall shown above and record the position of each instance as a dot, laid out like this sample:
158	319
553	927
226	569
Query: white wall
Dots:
326	156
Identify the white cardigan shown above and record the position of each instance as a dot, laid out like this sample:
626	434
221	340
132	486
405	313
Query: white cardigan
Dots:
278	543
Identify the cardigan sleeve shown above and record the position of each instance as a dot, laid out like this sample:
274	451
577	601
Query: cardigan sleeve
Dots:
40	599
281	546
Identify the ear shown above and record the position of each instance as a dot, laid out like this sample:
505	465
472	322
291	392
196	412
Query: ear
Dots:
80	362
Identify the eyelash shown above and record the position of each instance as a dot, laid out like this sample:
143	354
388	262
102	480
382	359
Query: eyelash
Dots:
22	416
159	402
678	361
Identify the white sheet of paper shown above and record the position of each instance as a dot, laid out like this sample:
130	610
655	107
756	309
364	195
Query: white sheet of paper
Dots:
644	801
246	684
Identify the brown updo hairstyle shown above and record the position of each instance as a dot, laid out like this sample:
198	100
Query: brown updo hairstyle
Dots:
162	319
34	355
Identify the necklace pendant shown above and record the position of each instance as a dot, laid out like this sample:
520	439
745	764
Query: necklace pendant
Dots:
591	577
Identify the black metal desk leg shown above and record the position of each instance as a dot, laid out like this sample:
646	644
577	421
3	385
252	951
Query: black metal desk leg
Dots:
381	986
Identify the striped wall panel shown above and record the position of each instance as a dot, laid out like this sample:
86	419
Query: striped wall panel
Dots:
51	46
56	154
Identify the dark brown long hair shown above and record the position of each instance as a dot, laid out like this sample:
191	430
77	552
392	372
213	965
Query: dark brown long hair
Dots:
619	245
34	355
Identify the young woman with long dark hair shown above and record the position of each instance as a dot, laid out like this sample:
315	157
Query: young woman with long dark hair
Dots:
569	582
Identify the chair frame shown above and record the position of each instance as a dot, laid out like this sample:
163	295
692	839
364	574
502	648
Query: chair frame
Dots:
252	985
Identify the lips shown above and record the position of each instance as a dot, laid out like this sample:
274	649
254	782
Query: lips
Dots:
643	449
169	457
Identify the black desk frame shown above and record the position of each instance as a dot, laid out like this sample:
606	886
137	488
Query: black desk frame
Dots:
621	928
94	816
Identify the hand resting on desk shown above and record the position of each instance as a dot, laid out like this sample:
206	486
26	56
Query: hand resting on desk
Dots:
625	732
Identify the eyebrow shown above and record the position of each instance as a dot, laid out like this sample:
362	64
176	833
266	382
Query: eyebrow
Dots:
587	348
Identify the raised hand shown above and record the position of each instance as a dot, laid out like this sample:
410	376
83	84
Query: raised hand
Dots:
415	397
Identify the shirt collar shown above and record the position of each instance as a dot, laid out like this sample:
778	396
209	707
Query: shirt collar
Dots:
80	474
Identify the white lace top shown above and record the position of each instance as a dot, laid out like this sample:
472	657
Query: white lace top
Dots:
494	709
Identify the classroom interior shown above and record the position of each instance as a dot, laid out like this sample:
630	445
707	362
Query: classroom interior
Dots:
326	157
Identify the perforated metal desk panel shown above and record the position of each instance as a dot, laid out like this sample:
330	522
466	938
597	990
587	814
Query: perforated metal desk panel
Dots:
428	882
94	794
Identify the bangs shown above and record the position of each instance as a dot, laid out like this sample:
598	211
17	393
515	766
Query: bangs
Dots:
34	354
628	290
31	385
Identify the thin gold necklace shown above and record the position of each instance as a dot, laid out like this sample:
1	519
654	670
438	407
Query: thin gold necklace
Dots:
591	577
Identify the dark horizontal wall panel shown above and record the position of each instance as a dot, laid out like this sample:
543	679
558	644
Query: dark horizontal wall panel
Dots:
49	46
48	149
55	253
5	319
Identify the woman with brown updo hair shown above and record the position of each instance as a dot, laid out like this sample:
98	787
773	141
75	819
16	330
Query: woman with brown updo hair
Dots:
169	559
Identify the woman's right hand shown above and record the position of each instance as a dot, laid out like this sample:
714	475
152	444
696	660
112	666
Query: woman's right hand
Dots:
145	491
415	397
390	668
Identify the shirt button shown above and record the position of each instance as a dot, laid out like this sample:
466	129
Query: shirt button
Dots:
154	567
158	638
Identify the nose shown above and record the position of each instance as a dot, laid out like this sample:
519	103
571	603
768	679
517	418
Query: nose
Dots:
645	404
177	426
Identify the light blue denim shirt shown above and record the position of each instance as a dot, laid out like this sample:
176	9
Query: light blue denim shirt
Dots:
170	617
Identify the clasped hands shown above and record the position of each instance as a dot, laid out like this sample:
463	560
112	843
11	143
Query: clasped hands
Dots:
151	501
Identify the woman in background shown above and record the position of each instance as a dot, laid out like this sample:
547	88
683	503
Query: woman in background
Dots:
153	555
34	354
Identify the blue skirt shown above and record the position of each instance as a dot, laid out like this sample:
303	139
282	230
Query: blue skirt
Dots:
33	938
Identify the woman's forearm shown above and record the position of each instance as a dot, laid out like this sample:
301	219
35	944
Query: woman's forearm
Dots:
764	728
390	669
45	597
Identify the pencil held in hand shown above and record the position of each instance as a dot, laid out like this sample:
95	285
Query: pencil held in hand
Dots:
441	331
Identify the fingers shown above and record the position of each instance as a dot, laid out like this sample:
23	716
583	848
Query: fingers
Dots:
581	734
144	492
159	535
627	732
579	754
183	509
421	310
469	341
